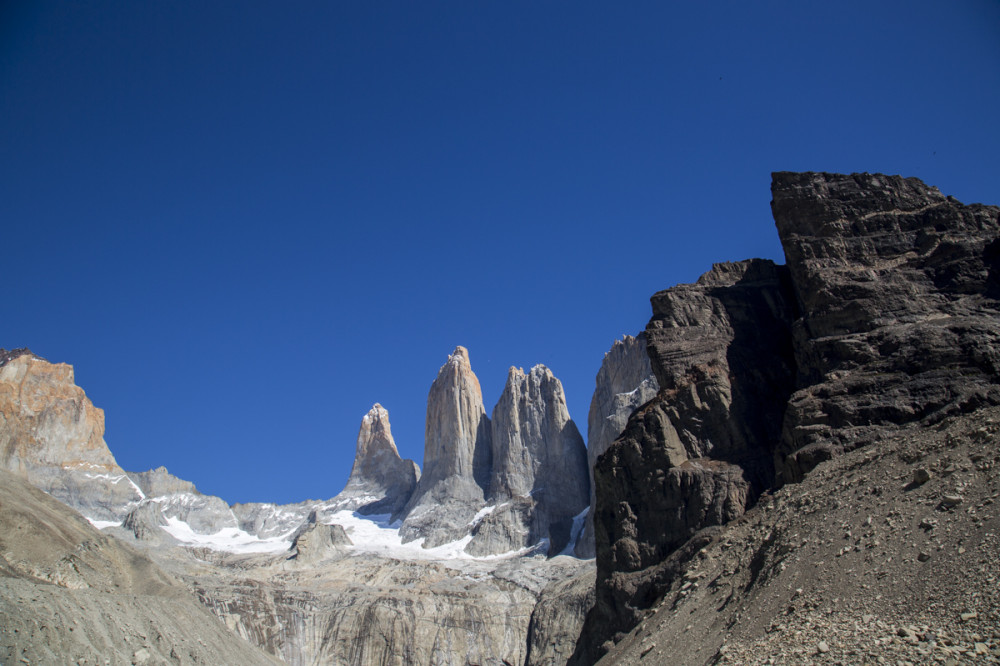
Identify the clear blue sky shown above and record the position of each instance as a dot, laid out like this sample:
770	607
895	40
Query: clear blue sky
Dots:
243	223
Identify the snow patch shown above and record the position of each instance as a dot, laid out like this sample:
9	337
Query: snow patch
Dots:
101	524
376	535
578	522
228	539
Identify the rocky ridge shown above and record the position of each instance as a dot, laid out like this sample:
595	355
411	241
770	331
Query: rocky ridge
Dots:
305	582
884	319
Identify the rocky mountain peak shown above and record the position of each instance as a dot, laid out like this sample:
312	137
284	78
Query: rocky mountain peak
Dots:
457	456
381	481
7	356
539	480
53	436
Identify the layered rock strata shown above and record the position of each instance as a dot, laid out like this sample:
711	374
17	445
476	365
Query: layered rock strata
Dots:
457	458
885	318
380	481
539	481
624	383
897	284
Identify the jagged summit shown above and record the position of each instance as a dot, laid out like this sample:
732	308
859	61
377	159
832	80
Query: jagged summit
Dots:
381	481
539	481
457	457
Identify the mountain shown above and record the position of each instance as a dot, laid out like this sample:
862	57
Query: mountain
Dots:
457	458
871	356
790	464
380	481
69	594
539	482
311	582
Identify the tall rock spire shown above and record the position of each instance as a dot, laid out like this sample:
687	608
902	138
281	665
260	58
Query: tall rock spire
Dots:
457	435
539	481
380	481
456	457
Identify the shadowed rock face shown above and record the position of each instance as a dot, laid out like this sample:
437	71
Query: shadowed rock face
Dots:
457	456
700	452
624	382
897	285
539	459
380	481
885	317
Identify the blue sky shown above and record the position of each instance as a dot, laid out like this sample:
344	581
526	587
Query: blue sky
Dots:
243	223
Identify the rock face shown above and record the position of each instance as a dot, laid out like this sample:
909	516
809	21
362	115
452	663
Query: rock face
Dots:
624	383
51	435
897	285
314	542
885	317
380	481
539	459
69	594
457	457
853	565
160	483
700	452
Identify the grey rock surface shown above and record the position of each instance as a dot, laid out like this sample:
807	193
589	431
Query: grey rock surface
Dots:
457	457
380	481
314	541
159	482
539	459
623	384
69	594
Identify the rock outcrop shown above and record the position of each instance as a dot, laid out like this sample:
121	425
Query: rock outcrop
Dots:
539	460
701	451
457	458
624	383
69	594
53	436
380	481
897	284
885	318
314	541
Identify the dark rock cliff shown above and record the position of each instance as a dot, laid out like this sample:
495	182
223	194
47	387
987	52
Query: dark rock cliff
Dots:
885	316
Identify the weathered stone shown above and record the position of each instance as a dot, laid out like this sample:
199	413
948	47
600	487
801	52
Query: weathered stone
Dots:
897	286
70	594
380	481
624	383
314	541
51	435
539	458
457	456
700	452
